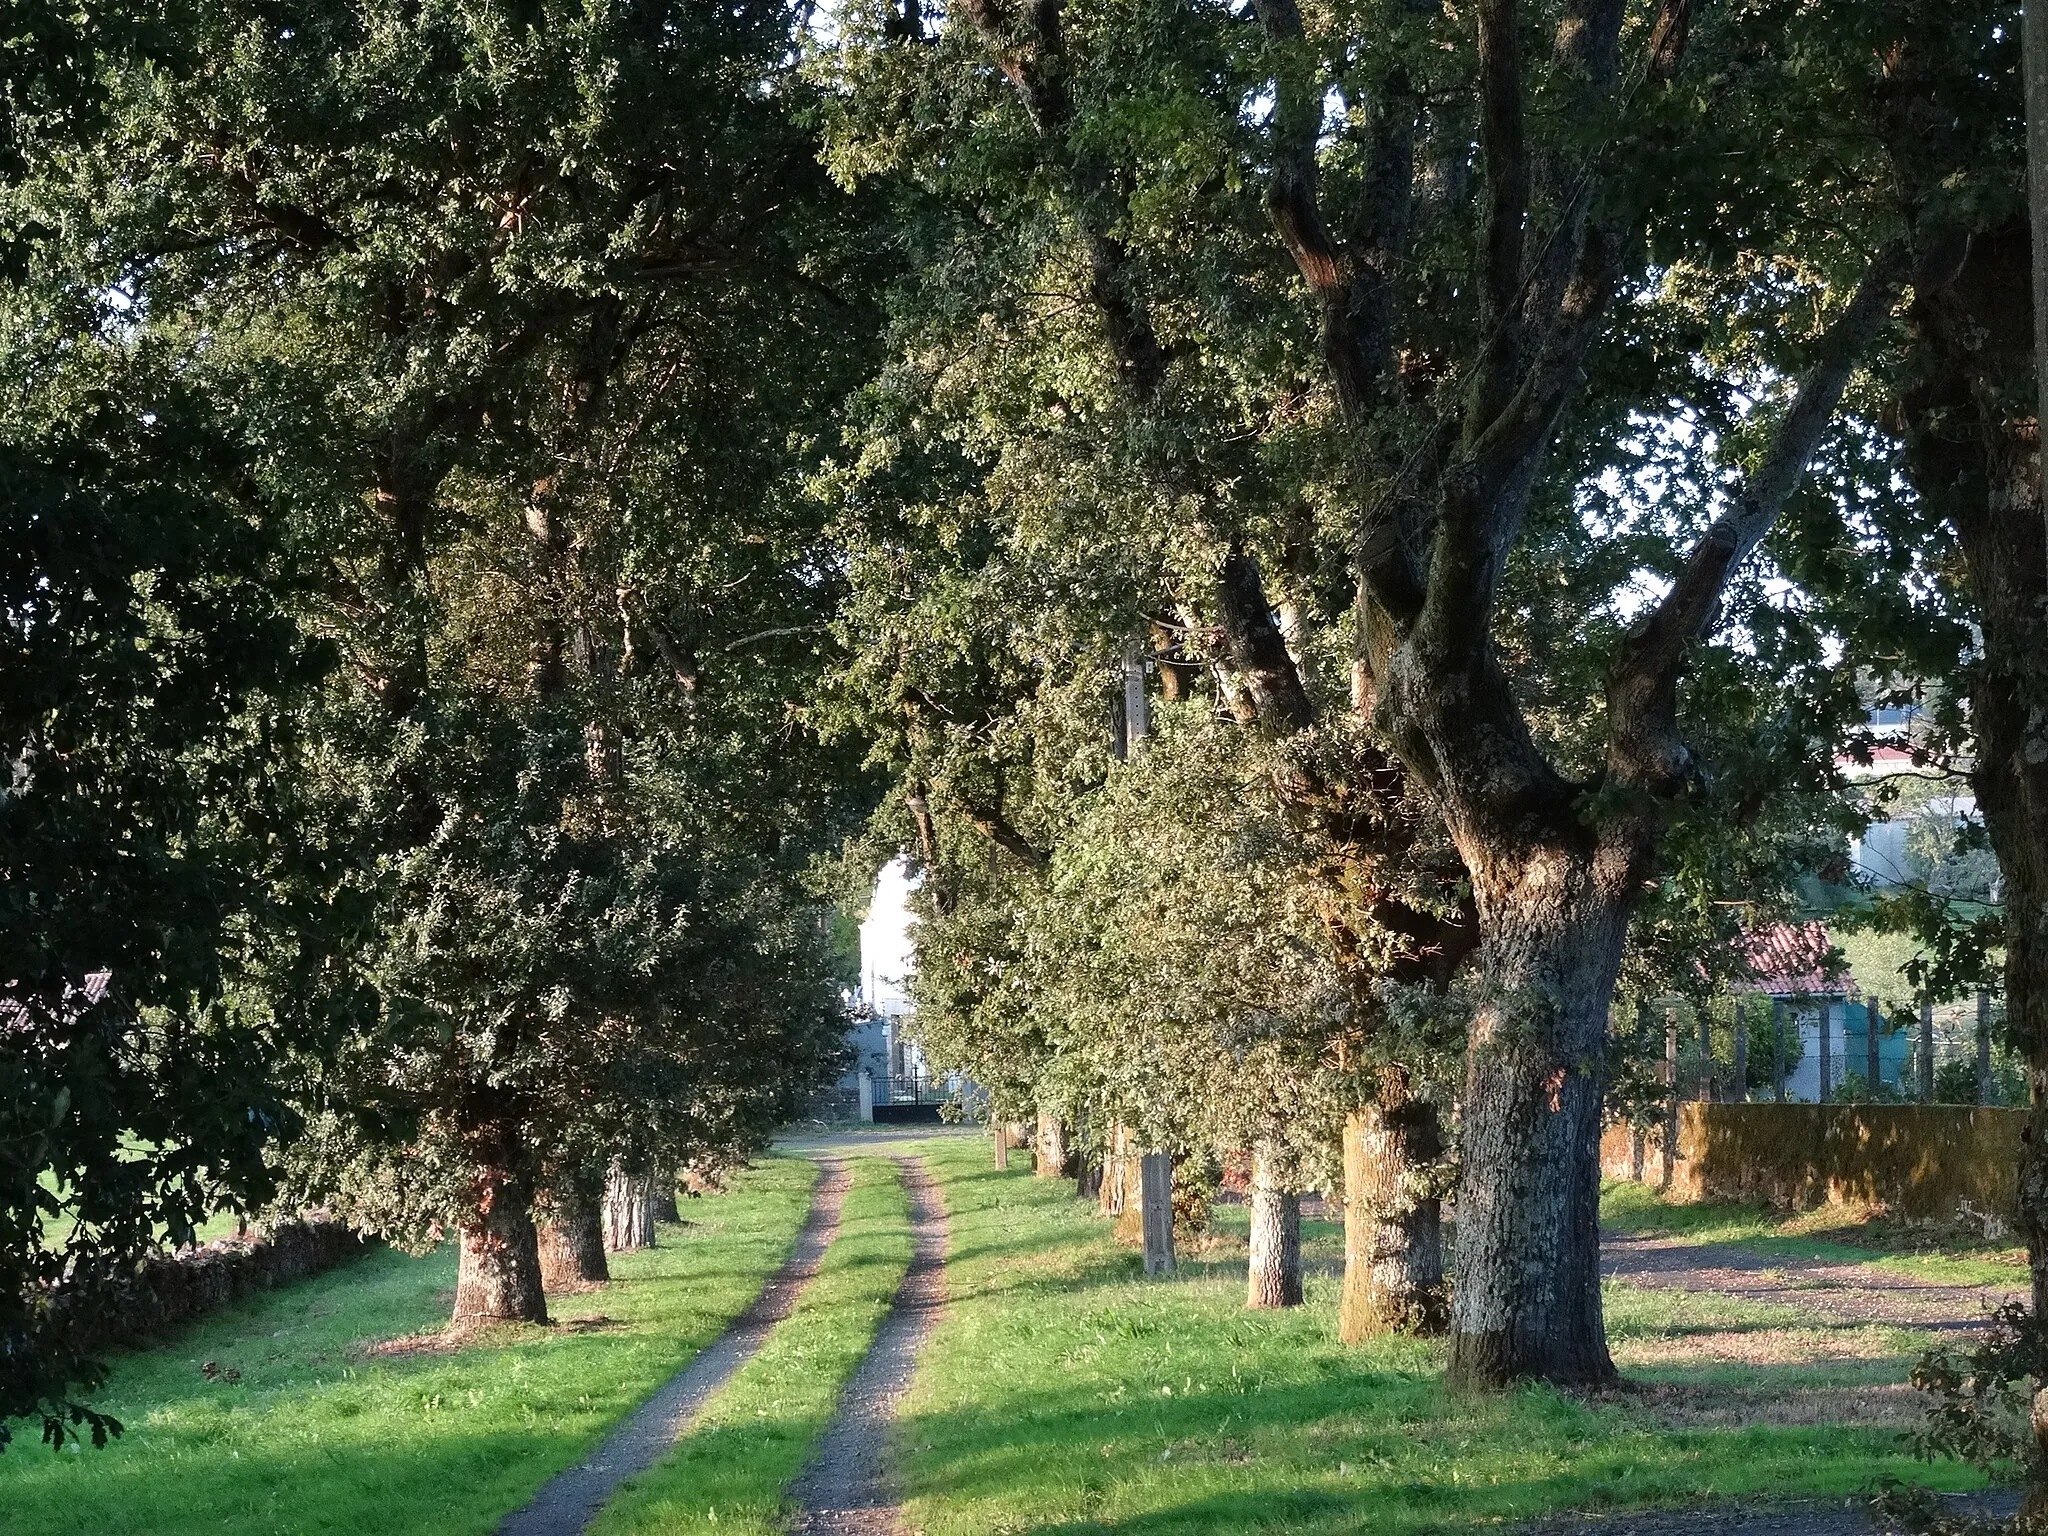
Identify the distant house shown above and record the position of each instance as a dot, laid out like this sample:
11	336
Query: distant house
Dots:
1795	965
897	1072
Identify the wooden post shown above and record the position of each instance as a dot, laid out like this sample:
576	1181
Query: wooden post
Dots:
1778	1050
1002	1145
1983	1045
1670	1096
1706	1054
1137	714
1926	1050
1872	1016
1826	1049
867	1095
1156	1191
1741	1054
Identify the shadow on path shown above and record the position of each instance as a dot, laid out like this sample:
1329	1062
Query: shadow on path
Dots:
569	1501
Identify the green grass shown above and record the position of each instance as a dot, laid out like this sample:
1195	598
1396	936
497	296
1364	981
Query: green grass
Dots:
730	1474
1063	1391
318	1436
1630	1207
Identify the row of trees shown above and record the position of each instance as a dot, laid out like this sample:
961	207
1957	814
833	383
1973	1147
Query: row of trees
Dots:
409	594
1338	535
1380	516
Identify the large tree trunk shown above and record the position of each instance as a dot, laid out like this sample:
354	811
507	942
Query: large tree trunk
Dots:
1393	1220
1052	1145
628	1211
571	1233
1526	1302
1110	1197
666	1177
498	1279
1275	1276
1973	449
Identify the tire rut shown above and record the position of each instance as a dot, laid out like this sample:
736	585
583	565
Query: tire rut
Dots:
845	1490
570	1500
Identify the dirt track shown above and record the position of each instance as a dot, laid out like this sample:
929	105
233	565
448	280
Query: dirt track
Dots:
569	1501
845	1490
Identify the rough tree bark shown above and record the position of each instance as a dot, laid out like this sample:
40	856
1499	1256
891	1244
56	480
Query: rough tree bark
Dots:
1275	1273
1052	1145
498	1278
628	1210
1393	1221
571	1231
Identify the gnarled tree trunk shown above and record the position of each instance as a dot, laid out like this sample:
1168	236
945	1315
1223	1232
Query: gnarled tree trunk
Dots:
1526	1302
571	1232
628	1210
1275	1274
498	1279
1393	1219
1973	451
1052	1145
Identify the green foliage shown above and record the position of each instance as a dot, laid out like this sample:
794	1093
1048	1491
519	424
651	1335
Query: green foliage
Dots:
153	829
1097	1397
320	1433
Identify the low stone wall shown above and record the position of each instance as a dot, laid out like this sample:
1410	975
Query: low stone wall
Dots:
1933	1162
169	1290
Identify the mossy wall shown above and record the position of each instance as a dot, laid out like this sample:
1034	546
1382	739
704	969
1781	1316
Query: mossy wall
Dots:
1926	1161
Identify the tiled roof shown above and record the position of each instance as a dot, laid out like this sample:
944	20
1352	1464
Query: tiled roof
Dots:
14	1014
1793	959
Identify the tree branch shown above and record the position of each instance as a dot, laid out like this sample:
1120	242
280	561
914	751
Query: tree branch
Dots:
1642	688
1256	648
1504	158
992	824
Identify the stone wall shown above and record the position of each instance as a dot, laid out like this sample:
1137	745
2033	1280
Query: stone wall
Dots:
1934	1162
169	1290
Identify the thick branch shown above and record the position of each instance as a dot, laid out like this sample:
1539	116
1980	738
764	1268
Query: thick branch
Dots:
992	824
1257	649
1504	157
1642	688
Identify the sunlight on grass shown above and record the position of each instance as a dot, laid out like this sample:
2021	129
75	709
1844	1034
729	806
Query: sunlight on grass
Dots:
1063	1390
1830	1235
731	1472
319	1436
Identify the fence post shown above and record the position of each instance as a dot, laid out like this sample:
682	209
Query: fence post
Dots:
1778	1049
1983	1045
1872	1014
1670	1095
1706	1054
1926	1050
1155	1178
1826	1048
1741	1054
867	1095
1002	1144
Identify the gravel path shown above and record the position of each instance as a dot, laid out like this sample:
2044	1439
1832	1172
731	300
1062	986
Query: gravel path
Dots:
1853	1293
570	1500
844	1491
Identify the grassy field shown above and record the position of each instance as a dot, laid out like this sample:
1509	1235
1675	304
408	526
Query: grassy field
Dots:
730	1473
1829	1235
322	1433
1065	1392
